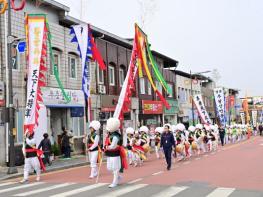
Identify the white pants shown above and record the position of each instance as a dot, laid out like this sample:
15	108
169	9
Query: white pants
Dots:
157	152
130	156
114	165
93	157
31	164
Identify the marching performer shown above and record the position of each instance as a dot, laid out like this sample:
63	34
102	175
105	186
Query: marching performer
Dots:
138	150
157	140
193	145
31	157
116	156
145	140
199	137
130	133
93	147
180	141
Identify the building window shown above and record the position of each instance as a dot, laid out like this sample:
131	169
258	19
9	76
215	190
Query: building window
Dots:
159	86
170	86
56	55
112	75
121	76
149	88
100	76
142	85
72	61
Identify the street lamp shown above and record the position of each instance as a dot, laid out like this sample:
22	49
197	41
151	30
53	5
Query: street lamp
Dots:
191	78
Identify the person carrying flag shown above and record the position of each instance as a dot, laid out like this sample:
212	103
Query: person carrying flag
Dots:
116	155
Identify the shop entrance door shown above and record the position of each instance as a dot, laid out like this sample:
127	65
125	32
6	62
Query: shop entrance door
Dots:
58	118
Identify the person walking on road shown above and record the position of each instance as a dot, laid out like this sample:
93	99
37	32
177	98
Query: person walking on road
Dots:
260	128
45	145
222	134
167	143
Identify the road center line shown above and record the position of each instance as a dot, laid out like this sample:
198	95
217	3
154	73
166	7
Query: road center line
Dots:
135	181
156	173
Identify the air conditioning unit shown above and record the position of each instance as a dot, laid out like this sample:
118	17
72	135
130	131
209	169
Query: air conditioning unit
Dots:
102	89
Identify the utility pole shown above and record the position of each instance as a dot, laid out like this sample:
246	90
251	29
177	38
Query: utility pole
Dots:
12	167
192	95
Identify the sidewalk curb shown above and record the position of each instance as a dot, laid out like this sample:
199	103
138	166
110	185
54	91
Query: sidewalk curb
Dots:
17	175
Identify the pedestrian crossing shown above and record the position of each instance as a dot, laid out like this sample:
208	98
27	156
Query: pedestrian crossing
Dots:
101	190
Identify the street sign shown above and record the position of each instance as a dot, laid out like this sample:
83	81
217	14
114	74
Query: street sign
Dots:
21	47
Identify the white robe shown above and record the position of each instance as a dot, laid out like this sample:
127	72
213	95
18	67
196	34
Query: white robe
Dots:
113	163
93	155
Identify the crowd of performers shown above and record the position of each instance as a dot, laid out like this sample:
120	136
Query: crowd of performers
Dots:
133	147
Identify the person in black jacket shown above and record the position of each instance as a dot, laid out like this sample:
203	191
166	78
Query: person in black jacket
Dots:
45	145
167	143
65	145
222	135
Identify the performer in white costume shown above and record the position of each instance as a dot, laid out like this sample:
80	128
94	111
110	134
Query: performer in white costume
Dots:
93	147
31	157
116	157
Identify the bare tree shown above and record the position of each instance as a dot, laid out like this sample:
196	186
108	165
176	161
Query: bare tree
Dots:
216	76
147	11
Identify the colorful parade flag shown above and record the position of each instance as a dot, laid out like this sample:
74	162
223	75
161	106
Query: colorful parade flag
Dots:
220	104
201	109
36	35
141	44
87	50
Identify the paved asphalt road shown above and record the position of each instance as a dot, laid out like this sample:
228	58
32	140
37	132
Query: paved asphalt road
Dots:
234	170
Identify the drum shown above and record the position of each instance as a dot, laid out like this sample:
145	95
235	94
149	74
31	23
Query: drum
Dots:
146	148
194	145
179	148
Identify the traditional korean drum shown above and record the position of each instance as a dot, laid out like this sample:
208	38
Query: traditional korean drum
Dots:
146	148
179	148
194	145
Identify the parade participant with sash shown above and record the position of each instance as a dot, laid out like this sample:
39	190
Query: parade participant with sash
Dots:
157	140
130	133
32	157
93	147
116	156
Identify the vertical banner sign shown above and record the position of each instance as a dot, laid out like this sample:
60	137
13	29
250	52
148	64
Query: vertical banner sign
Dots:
220	104
242	116
36	53
254	117
201	109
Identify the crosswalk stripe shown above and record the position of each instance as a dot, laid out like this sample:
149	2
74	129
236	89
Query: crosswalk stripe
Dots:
124	190
7	183
44	189
171	191
20	187
77	191
221	192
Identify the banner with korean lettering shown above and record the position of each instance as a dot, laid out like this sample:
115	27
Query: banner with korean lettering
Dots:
220	104
254	117
242	117
201	109
36	54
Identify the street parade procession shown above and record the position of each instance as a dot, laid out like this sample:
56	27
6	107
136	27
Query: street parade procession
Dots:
121	120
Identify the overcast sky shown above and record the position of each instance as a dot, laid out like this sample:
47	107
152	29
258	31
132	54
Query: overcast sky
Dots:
201	34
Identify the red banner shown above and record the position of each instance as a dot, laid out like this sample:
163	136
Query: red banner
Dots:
152	107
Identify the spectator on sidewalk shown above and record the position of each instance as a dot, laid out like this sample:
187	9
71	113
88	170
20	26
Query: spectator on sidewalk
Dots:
65	145
45	145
